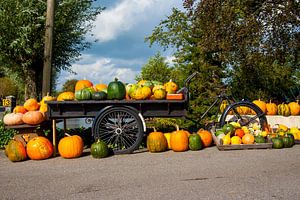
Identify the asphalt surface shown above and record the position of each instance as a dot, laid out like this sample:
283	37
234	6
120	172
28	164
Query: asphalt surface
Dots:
206	174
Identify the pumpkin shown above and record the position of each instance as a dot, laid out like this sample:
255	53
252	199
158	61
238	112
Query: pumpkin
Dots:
43	104
248	139
243	110
116	90
31	104
171	87
156	142
83	94
100	87
159	94
39	148
33	117
81	84
66	96
206	137
158	87
141	93
70	146
168	137
19	109
146	83
283	109
195	142
15	151
261	105
179	140
259	139
271	108
277	143
294	108
287	141
99	149
99	95
13	119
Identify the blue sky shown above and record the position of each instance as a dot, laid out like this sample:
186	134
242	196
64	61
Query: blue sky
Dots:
121	49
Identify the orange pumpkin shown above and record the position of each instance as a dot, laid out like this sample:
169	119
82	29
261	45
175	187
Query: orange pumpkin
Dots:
294	108
248	139
33	117
206	137
261	105
179	140
156	142
99	87
83	84
66	96
31	104
39	148
70	146
19	109
13	119
271	108
171	87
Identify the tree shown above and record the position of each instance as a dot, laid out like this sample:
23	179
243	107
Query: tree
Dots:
69	85
22	29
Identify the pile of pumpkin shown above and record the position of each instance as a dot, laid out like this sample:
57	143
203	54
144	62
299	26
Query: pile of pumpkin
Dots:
284	109
178	140
40	148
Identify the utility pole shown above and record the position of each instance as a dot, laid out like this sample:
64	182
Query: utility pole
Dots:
46	87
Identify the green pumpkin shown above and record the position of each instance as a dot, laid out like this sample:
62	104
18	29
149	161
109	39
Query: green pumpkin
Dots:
288	141
259	139
99	149
277	143
116	90
219	132
195	142
99	95
228	128
15	151
83	94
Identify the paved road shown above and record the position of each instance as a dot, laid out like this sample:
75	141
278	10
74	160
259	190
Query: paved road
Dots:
206	174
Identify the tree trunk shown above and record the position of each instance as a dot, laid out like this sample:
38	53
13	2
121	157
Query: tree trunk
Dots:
30	84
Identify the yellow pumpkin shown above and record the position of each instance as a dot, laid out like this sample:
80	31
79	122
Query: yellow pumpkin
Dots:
271	108
158	87
66	96
168	137
141	92
43	104
223	105
171	87
156	142
160	94
283	109
294	108
243	110
261	105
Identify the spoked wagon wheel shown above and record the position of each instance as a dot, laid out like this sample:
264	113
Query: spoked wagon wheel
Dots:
233	113
120	127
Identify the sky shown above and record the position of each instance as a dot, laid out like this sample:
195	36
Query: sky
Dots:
121	50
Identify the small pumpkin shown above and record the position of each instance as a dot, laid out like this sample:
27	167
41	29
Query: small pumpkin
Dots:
261	104
158	87
171	87
248	139
116	90
31	104
83	94
19	109
99	149
206	137
179	140
70	146
141	93
15	151
33	117
146	83
160	94
39	148
156	142
271	108
195	143
100	87
294	108
81	84
99	95
277	143
66	96
168	137
11	119
283	109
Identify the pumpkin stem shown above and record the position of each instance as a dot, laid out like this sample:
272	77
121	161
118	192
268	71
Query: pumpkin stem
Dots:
116	79
67	134
154	129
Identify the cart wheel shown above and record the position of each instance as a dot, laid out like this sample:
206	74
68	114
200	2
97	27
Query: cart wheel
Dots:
120	127
231	114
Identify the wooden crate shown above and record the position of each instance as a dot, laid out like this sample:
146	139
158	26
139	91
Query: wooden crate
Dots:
222	147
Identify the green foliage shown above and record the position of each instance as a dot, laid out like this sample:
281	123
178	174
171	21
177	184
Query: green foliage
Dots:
69	85
7	87
5	135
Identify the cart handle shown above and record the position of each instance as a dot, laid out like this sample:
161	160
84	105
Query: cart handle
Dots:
187	81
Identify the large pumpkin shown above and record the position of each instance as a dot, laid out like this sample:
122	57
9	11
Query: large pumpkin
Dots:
70	146
99	149
15	151
66	96
156	142
33	117
39	148
19	109
261	105
116	90
206	137
179	140
83	84
31	104
13	119
294	108
271	108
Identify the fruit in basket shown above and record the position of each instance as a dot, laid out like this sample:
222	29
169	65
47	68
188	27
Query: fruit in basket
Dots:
179	140
31	104
235	124
33	117
206	137
228	128
283	109
261	104
171	87
99	149
282	127
195	142
271	108
294	108
99	95
295	132
236	140
226	139
277	143
159	94
239	132
81	84
70	146
116	90
219	132
19	109
156	142
39	148
66	96
11	119
259	139
245	129
83	94
15	151
248	139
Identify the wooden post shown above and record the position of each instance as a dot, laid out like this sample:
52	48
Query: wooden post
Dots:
46	87
54	137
